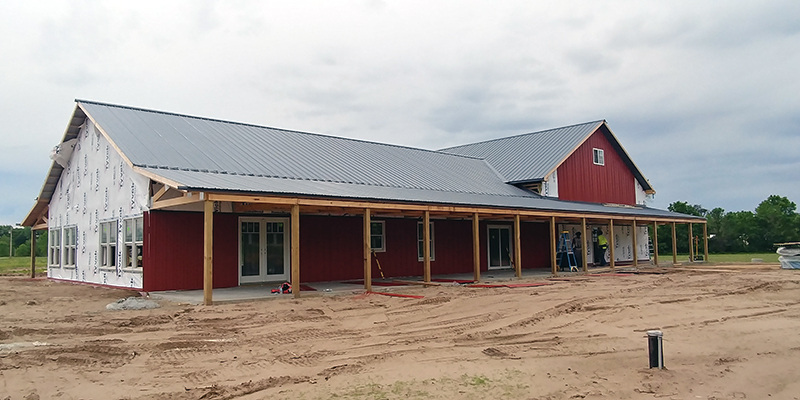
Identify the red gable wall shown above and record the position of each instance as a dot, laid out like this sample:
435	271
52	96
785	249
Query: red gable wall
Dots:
579	179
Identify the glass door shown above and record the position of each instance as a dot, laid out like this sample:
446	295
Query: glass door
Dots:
263	249
500	248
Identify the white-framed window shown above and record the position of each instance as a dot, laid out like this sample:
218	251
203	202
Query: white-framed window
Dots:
54	248
134	238
598	157
420	239
108	244
377	236
70	244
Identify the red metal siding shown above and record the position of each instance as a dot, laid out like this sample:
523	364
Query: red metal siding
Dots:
331	248
173	251
579	179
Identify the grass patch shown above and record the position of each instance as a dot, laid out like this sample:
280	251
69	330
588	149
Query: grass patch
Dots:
21	265
741	258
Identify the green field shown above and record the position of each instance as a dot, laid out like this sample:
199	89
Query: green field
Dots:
741	258
21	265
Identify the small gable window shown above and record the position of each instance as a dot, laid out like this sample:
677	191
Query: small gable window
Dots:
598	157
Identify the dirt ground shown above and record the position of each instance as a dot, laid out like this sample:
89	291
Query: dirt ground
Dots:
730	332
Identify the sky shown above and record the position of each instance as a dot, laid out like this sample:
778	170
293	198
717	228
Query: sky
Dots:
704	95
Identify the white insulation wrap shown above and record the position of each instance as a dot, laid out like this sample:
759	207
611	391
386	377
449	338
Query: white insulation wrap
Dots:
96	186
623	241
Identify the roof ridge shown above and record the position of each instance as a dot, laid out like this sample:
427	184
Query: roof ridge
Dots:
273	128
521	134
328	180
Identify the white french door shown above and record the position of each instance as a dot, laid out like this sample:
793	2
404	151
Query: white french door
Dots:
263	249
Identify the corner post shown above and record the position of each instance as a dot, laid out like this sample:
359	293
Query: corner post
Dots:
584	260
208	250
296	250
611	243
367	251
33	253
691	244
655	243
635	250
476	248
705	242
426	246
517	247
553	239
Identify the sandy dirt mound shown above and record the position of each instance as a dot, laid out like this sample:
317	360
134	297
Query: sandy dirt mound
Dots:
729	333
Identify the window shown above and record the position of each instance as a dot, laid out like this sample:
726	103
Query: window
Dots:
70	241
108	244
598	157
134	234
54	248
377	236
420	239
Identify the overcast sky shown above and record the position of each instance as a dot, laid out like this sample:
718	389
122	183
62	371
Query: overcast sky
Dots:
704	95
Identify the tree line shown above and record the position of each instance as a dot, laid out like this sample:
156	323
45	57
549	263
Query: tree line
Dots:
21	246
775	220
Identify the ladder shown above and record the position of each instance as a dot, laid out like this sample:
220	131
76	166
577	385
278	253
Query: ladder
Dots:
565	258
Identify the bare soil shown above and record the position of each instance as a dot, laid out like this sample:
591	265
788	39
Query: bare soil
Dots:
730	332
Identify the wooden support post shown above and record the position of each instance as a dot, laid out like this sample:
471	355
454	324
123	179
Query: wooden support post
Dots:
584	257
705	242
517	248
33	253
611	243
426	245
655	243
295	245
367	251
208	251
635	250
476	248
553	239
674	245
691	244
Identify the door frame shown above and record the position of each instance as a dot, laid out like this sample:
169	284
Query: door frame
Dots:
510	230
263	277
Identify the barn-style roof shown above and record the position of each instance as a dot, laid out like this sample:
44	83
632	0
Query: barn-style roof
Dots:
202	154
532	157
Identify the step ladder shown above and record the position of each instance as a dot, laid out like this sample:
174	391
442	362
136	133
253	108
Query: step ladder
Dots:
565	258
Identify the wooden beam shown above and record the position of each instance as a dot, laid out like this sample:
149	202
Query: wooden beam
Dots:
705	242
553	239
635	250
584	261
674	245
33	254
295	251
160	193
476	248
208	251
426	246
655	243
367	251
611	243
177	201
691	244
517	248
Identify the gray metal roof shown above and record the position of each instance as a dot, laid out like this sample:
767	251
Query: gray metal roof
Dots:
531	156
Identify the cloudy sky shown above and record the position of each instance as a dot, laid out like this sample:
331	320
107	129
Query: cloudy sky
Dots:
704	95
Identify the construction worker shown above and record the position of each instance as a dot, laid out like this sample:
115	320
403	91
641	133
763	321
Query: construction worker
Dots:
602	242
577	249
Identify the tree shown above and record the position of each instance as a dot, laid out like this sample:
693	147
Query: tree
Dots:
777	222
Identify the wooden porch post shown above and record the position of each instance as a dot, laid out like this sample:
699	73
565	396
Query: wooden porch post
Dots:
367	251
208	249
426	246
553	238
705	242
517	248
674	245
476	248
655	243
33	253
296	250
691	244
611	243
584	257
635	250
